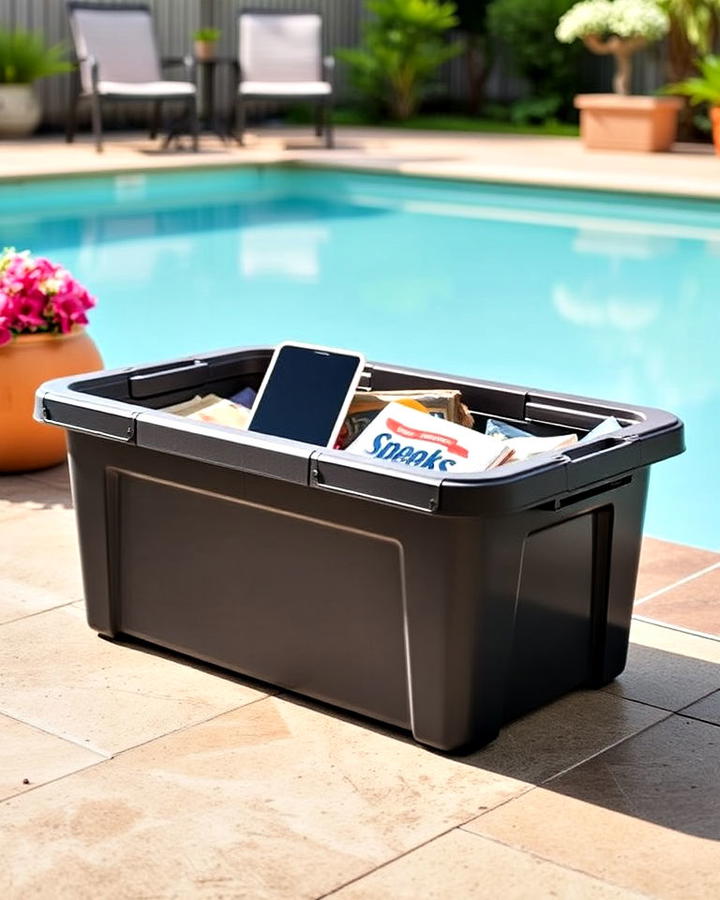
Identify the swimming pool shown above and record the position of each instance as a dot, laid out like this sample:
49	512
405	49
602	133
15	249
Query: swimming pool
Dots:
605	295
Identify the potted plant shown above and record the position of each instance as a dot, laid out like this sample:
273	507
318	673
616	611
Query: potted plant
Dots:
705	88
42	336
205	40
621	121
24	58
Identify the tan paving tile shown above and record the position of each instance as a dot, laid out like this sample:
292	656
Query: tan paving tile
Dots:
668	668
57	674
694	604
643	815
273	800
39	561
707	709
460	864
663	563
27	753
563	734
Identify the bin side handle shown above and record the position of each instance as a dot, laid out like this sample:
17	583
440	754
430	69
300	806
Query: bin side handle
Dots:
601	445
148	384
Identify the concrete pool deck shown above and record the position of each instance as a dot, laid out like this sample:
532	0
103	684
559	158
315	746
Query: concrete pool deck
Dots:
690	170
128	772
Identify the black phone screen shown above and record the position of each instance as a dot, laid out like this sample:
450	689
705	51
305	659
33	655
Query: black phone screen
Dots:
304	395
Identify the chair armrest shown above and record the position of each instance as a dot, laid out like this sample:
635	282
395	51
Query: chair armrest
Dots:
94	69
329	69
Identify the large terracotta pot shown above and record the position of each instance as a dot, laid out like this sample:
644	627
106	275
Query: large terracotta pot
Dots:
628	122
25	363
715	119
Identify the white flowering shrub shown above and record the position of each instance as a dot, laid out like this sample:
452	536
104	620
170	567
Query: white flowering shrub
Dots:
622	18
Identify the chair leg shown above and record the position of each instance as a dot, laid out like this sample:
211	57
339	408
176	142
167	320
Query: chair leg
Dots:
319	118
240	121
155	119
194	123
97	122
71	123
329	130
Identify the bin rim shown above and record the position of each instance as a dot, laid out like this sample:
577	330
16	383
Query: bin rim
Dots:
650	435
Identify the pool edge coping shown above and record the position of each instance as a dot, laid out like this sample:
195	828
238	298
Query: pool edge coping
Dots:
285	160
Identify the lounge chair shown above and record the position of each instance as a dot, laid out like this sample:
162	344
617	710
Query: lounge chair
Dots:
118	60
280	58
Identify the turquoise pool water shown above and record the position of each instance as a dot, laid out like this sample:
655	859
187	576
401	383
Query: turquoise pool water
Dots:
592	293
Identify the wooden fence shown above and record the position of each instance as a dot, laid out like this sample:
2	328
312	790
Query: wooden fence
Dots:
177	19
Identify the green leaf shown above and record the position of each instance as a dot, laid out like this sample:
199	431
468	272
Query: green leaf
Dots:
702	89
24	57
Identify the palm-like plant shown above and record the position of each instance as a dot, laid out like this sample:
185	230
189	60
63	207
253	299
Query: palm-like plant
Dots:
404	44
693	32
705	88
24	57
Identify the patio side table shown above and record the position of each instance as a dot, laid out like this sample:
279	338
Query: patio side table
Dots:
209	121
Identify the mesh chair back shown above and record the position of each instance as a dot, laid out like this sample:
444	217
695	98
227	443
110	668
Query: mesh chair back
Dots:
120	38
280	46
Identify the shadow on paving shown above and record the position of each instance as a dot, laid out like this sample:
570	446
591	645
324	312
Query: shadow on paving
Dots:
667	772
27	489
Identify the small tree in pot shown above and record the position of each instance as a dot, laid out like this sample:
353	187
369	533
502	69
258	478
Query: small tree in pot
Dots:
621	28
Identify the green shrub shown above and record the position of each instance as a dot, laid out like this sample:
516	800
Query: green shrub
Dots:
526	28
24	57
535	110
404	44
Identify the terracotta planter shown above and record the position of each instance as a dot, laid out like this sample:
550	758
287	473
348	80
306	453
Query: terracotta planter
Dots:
25	363
621	122
715	119
204	51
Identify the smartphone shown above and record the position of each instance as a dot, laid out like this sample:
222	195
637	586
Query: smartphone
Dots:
306	393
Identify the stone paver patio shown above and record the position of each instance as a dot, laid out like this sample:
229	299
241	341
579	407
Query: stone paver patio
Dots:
127	772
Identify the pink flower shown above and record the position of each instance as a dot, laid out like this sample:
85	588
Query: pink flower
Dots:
36	295
5	333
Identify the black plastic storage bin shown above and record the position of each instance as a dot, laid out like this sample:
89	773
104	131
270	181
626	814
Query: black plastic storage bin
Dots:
444	604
